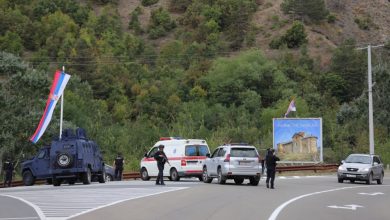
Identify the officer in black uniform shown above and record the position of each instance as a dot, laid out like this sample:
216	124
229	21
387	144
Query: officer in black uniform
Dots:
118	165
161	159
270	161
8	168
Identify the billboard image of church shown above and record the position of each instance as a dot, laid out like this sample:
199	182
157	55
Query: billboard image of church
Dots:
298	139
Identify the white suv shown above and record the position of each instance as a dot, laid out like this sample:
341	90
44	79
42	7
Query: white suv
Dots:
233	161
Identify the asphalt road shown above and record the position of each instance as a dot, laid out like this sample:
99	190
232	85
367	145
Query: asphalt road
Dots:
317	197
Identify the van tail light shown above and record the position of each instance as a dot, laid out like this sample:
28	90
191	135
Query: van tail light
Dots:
227	159
183	163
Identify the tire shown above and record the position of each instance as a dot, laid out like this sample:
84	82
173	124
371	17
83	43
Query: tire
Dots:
206	178
221	178
380	180
254	181
340	180
200	178
109	178
144	174
238	180
174	175
102	176
28	178
87	176
49	181
369	180
56	182
64	160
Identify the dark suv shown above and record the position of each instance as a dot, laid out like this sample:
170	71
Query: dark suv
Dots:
70	159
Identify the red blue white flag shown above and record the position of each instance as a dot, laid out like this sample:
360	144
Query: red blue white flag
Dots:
57	88
291	108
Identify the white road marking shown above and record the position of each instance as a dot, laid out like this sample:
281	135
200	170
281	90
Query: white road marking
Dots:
350	207
67	202
372	194
20	218
276	212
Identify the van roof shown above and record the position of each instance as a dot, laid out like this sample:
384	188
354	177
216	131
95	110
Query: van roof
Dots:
181	141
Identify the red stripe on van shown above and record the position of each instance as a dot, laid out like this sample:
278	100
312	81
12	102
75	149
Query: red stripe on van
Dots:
148	159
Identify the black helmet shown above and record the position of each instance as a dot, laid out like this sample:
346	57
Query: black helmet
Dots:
161	146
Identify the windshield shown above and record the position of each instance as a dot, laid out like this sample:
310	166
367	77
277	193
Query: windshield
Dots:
243	152
358	159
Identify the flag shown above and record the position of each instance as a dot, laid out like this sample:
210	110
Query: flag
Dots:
57	88
291	107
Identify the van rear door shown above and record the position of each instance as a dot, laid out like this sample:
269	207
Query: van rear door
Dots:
195	156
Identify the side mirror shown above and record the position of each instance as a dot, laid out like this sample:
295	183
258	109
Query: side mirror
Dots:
208	155
343	161
145	155
376	163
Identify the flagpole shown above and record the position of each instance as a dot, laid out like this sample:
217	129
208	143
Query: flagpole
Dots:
62	104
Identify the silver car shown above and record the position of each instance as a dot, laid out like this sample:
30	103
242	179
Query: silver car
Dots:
233	161
361	167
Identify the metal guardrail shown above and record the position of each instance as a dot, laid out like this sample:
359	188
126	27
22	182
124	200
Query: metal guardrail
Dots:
280	169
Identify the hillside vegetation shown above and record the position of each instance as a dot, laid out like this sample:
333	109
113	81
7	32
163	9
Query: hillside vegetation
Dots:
218	70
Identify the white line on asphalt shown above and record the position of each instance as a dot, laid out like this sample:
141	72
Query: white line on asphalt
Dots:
36	208
124	200
276	212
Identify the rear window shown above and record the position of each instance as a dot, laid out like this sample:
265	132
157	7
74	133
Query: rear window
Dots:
243	152
196	150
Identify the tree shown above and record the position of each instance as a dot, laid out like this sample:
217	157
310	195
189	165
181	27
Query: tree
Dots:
313	9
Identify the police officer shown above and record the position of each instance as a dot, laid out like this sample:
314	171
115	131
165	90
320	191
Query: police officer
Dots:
161	159
270	161
119	162
8	169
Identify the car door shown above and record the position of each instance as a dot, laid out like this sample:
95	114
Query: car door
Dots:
376	167
42	163
220	158
151	163
211	167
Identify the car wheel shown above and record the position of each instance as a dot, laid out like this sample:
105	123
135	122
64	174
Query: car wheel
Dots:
49	181
174	175
254	181
56	182
221	178
144	174
102	176
340	180
28	178
206	178
109	178
369	180
380	180
238	180
87	176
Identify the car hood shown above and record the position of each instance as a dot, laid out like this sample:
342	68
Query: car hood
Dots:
355	165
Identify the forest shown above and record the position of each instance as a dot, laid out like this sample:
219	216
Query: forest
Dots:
194	70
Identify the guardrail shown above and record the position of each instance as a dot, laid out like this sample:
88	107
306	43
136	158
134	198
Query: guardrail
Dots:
279	168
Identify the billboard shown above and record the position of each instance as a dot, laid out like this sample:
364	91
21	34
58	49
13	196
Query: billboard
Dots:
298	139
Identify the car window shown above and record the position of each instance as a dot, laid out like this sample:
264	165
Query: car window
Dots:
152	152
376	159
190	150
221	153
196	150
203	150
41	154
243	152
358	159
215	152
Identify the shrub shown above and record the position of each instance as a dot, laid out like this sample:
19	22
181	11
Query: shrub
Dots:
148	2
331	18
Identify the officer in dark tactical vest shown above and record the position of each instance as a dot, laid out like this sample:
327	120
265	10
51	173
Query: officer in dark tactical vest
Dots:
161	159
270	161
8	168
119	163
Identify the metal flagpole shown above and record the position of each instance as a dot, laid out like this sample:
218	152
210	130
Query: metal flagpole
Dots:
62	104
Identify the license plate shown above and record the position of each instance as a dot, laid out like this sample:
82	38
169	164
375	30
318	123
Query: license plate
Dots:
243	162
350	175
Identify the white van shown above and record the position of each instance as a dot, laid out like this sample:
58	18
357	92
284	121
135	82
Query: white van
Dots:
186	158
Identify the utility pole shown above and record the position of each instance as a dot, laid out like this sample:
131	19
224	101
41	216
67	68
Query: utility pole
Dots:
370	105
